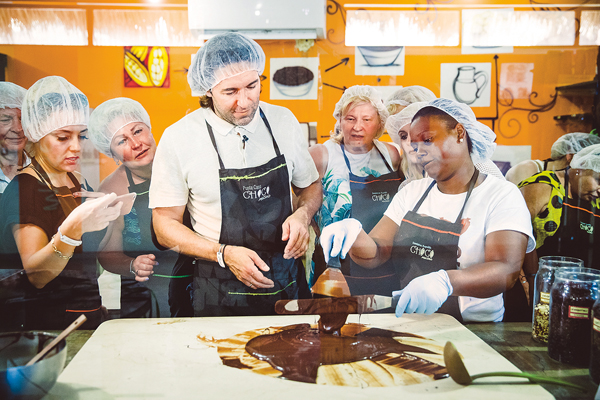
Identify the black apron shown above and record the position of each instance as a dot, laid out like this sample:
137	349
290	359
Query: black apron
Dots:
575	234
136	297
425	244
370	198
254	204
74	291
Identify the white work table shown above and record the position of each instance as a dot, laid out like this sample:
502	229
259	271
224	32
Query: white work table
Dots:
163	359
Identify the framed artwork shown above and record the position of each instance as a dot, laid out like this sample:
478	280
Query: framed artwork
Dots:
146	66
467	83
294	78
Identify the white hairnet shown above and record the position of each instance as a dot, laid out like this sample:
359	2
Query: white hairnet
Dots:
588	158
397	121
11	95
50	104
223	56
482	137
360	92
112	115
571	143
410	94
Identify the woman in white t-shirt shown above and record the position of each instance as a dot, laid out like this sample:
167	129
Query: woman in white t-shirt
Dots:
458	238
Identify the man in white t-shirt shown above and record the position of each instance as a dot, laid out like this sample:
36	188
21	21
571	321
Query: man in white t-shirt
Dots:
232	164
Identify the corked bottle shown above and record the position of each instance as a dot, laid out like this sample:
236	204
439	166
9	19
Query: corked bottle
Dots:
544	279
571	300
595	350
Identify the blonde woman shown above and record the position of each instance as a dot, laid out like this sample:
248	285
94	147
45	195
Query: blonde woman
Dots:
360	175
44	224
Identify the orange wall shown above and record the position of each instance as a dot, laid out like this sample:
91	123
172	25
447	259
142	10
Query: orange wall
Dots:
98	72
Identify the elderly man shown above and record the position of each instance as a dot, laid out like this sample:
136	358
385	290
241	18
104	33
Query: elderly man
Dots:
12	138
233	163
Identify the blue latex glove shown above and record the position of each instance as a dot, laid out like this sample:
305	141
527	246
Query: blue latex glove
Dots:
338	238
424	294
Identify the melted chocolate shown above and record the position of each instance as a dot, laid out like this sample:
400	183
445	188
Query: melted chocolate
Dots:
331	283
298	351
332	323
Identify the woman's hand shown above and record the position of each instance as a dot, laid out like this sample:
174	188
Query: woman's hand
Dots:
92	215
424	295
337	238
143	266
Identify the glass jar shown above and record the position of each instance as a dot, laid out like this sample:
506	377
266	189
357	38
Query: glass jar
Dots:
544	279
572	297
595	350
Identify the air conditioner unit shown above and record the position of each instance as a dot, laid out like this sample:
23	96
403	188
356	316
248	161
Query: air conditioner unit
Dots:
259	19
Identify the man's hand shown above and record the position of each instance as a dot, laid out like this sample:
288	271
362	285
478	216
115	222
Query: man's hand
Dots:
246	266
143	267
295	231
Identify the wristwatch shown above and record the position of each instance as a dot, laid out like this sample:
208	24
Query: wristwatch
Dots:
220	256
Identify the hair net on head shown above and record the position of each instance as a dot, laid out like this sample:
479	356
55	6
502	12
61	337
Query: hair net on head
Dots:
50	104
410	94
11	95
112	115
571	143
223	56
360	93
588	158
397	121
482	137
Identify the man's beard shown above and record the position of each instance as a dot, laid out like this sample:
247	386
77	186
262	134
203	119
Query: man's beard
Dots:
243	121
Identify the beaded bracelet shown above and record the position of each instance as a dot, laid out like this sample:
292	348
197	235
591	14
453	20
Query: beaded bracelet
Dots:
58	253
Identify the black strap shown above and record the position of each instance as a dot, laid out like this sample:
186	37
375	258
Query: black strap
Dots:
129	177
264	118
41	173
546	164
379	151
471	186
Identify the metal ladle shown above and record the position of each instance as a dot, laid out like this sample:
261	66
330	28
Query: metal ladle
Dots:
459	374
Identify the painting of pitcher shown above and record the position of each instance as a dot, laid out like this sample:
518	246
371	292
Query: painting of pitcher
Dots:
466	82
469	84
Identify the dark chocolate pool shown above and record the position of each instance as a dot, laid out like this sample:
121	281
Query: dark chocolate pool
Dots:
298	351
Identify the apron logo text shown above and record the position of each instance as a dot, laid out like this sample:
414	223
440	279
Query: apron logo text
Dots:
256	192
587	227
425	252
383	197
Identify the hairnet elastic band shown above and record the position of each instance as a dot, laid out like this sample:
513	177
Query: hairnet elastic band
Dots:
231	76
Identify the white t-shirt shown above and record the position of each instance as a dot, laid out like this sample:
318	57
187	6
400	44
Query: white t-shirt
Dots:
186	167
494	205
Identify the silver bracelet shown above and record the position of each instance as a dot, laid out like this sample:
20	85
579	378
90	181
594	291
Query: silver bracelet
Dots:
68	240
221	256
131	267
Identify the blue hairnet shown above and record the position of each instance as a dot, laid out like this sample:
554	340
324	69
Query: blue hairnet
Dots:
482	137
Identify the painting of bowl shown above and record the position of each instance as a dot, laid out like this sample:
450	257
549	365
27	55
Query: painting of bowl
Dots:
293	81
380	56
18	381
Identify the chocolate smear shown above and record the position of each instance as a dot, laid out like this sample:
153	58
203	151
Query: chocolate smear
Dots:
299	350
